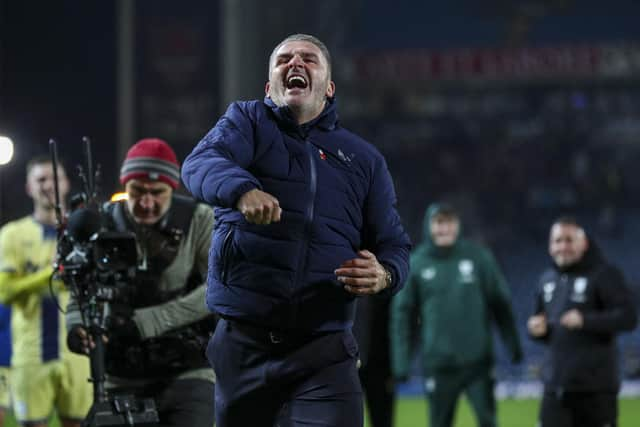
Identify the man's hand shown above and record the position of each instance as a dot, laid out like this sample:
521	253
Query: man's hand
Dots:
537	325
79	341
259	207
364	275
572	319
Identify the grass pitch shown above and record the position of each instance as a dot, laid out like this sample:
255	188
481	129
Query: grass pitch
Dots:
412	412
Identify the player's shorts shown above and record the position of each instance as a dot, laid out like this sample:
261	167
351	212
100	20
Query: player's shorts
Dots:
62	384
5	396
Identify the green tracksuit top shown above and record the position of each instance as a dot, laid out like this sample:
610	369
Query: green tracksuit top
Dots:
458	292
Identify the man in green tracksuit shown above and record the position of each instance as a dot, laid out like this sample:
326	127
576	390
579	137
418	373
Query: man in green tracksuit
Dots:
458	291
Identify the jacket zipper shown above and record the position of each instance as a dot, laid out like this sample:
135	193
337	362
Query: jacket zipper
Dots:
302	262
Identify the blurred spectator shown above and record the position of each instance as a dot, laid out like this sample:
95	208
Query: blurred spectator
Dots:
582	303
459	292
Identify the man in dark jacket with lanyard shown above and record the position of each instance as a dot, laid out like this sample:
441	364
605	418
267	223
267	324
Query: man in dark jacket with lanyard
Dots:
306	224
458	291
581	305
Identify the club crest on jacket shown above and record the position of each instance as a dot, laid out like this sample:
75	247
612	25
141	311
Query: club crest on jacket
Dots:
428	273
579	288
548	289
466	268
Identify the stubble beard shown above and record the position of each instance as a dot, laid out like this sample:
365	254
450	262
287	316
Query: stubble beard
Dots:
565	261
302	109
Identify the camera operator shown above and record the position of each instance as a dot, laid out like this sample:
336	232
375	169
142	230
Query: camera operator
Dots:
44	374
158	324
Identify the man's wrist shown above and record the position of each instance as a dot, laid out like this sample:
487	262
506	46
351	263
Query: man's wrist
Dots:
388	277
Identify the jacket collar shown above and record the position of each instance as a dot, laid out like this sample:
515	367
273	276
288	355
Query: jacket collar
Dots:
327	120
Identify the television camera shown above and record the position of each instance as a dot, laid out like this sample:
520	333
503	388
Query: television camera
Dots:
96	264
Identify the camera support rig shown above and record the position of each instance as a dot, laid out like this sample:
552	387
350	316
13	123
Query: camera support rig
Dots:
93	264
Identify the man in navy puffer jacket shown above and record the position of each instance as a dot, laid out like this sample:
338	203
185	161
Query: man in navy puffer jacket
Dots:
306	223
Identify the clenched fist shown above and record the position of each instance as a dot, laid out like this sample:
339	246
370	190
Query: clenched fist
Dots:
259	207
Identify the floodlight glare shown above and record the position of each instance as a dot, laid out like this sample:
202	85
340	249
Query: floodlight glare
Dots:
6	150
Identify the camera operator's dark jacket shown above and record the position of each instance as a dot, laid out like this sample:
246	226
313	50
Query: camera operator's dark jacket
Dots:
166	300
336	195
586	359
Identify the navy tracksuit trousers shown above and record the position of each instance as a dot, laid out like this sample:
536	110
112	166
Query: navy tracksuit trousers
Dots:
267	379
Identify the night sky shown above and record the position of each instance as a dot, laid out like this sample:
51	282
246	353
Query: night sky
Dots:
57	81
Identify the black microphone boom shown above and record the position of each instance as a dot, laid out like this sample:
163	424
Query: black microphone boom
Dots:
91	190
54	162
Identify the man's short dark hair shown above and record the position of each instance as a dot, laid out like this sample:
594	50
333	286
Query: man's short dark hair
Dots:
304	38
42	159
445	209
566	220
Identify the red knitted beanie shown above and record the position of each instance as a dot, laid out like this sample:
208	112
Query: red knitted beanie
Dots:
153	159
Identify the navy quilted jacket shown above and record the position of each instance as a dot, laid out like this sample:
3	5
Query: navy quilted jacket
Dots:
336	196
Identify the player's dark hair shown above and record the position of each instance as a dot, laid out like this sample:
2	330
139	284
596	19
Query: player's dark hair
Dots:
41	159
